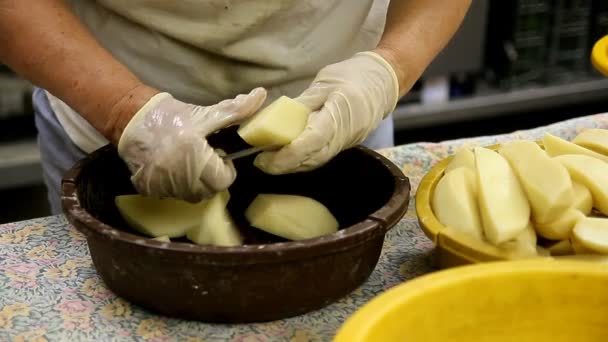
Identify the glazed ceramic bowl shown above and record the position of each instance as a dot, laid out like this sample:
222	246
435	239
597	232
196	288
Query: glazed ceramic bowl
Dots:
265	279
533	300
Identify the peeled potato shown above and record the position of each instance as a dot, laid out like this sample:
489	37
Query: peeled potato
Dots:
503	205
592	234
215	225
563	247
556	146
593	174
462	158
545	181
454	202
276	125
163	238
524	245
582	198
157	217
594	139
561	228
290	216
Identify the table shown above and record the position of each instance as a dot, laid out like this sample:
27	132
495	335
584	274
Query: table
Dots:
49	290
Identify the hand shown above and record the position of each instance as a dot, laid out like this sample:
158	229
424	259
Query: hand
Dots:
165	147
349	100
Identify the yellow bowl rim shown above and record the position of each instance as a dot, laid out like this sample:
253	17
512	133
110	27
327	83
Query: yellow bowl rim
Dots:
358	326
599	56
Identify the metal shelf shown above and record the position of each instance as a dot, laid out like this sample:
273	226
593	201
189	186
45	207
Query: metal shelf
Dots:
20	164
493	105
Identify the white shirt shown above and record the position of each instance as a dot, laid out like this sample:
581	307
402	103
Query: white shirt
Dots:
204	51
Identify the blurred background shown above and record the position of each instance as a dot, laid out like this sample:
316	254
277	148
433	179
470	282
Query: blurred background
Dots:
514	64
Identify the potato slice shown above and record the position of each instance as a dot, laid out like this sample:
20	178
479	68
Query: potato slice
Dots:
593	174
163	238
592	233
556	146
215	225
545	181
462	158
523	246
579	248
454	202
290	216
277	124
563	247
157	217
561	228
594	139
503	205
582	198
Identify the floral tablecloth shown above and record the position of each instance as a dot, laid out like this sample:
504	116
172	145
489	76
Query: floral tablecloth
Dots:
49	290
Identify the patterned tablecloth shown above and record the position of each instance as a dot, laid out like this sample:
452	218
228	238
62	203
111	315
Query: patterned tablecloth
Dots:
49	290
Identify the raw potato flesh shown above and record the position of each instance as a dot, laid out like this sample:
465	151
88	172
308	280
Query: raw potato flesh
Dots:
592	234
593	174
594	139
215	225
463	158
157	217
582	198
557	146
454	202
545	181
523	245
561	228
503	205
163	238
276	125
563	247
290	216
579	248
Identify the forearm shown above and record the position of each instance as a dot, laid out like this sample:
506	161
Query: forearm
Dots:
415	32
43	41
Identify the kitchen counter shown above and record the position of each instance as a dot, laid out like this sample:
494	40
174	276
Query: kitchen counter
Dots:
49	289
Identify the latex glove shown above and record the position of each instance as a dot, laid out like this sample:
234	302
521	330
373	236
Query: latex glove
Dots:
349	99
165	147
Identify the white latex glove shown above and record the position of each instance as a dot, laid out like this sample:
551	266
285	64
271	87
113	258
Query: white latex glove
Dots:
349	99
165	147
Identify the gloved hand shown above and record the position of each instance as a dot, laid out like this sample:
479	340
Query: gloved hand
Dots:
165	147
349	99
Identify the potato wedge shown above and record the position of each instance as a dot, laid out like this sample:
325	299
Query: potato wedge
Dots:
157	217
561	228
523	246
163	238
275	125
592	173
556	146
454	202
582	198
563	247
216	227
504	208
462	158
594	139
290	216
592	234
545	181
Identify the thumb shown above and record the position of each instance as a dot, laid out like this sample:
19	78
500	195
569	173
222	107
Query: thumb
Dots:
229	112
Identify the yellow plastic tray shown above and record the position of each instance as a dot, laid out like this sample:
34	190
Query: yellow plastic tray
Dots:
599	56
531	300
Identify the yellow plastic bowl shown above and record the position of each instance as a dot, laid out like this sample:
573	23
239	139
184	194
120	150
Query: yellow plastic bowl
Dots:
453	247
599	56
533	300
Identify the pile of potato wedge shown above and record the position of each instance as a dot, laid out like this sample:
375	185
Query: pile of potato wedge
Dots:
530	199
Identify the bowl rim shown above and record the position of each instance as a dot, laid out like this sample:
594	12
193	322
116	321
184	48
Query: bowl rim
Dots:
359	324
378	222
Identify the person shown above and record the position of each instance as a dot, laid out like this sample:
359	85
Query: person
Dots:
155	78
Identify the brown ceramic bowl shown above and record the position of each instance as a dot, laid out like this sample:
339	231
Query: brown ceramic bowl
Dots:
266	278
